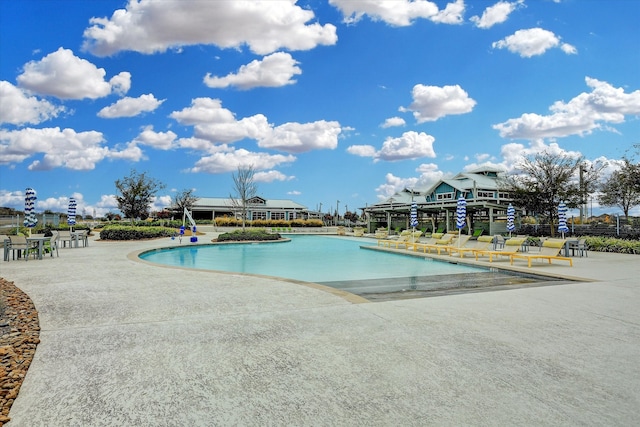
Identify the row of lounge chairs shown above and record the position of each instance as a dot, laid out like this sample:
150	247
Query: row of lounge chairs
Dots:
515	248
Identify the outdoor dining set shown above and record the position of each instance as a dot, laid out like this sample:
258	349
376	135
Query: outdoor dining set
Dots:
20	246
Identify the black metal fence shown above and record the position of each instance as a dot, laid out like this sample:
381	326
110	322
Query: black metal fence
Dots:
623	231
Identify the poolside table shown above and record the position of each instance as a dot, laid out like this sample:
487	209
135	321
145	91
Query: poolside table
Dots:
40	240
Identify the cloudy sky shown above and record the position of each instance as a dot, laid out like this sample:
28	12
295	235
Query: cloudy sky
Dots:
329	100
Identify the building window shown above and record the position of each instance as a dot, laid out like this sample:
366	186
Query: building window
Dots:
504	195
486	194
256	201
445	196
258	215
277	215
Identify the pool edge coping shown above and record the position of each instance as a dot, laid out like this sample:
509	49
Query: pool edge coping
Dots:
347	296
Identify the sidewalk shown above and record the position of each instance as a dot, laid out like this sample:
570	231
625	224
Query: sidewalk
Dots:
124	343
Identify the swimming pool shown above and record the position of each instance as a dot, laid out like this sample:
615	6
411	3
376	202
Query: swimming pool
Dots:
339	262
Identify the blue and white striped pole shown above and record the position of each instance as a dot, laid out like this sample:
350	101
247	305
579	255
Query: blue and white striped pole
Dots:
511	216
71	213
562	219
461	212
30	219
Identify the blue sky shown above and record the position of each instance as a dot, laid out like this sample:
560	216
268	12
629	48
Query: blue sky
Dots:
328	100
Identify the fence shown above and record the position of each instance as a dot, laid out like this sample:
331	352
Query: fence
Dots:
8	222
624	231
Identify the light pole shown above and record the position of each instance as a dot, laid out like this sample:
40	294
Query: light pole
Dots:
583	195
337	211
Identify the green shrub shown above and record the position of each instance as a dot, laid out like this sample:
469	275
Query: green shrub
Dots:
232	222
226	221
612	244
125	232
248	235
158	223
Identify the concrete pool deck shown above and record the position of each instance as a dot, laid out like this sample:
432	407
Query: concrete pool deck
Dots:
128	343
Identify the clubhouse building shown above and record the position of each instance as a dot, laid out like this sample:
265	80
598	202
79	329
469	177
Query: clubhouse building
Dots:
258	208
486	204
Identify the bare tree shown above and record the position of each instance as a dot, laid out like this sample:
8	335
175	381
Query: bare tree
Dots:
183	200
245	188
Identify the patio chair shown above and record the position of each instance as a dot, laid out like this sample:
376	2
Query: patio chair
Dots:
445	240
477	233
498	242
412	238
20	245
404	236
65	236
511	246
458	242
4	241
381	233
82	236
483	243
550	250
428	240
52	245
579	247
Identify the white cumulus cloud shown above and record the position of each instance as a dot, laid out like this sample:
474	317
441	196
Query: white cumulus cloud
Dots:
411	145
532	42
394	184
453	13
61	148
393	122
271	176
159	140
496	14
362	150
19	108
230	160
579	116
302	137
432	102
400	13
130	107
217	124
274	70
56	148
65	76
152	26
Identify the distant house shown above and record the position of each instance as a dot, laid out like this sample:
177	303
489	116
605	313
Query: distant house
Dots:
486	203
257	208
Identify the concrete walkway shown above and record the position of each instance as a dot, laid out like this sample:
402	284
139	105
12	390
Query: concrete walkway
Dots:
124	343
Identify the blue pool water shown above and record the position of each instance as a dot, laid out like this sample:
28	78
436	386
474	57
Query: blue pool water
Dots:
309	258
340	262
